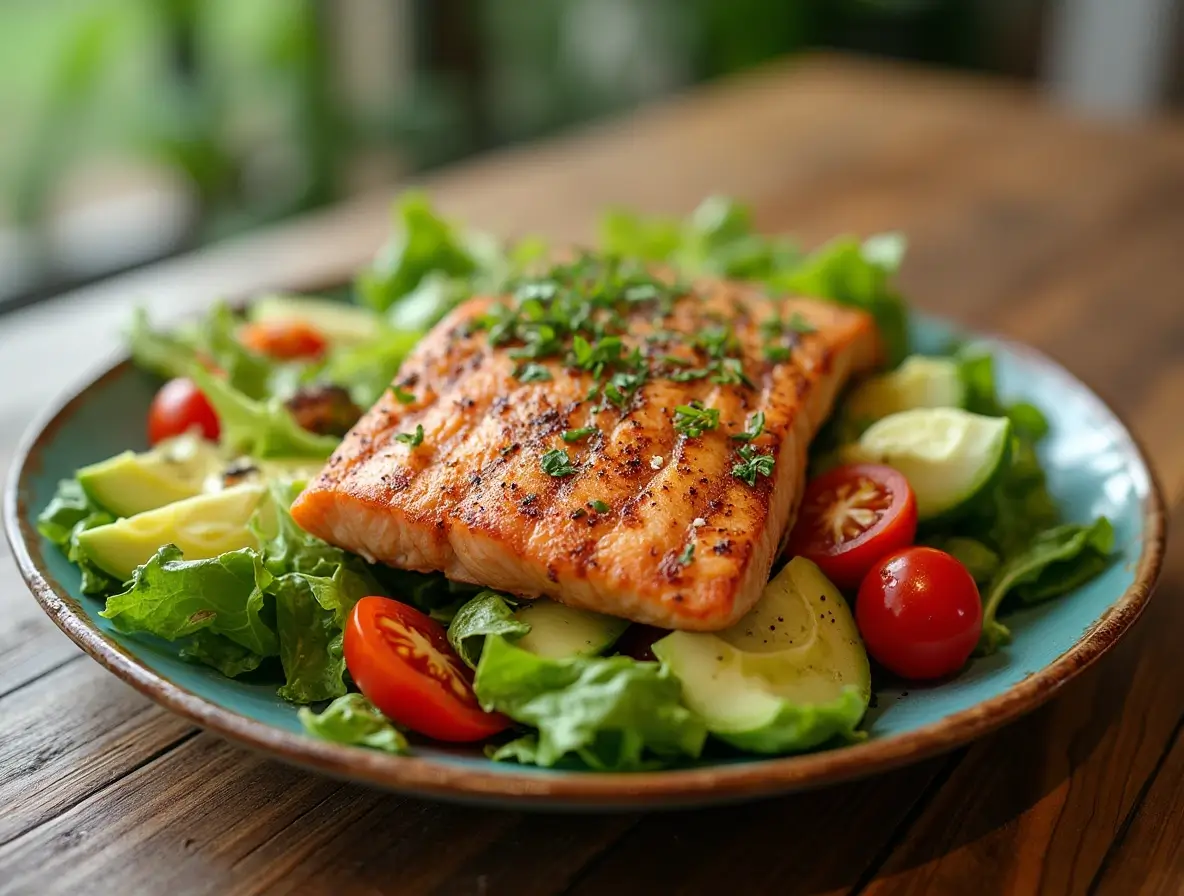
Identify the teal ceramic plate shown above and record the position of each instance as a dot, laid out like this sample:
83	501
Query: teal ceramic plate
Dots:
1094	467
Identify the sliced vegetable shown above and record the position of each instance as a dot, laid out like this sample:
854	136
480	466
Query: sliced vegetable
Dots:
132	483
948	456
919	613
401	661
489	613
789	676
556	631
851	517
919	382
339	323
284	340
178	408
202	527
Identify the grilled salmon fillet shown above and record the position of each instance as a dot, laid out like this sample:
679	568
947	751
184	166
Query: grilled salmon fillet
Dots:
605	438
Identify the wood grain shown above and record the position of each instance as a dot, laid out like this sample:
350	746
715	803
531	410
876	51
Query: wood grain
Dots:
1058	232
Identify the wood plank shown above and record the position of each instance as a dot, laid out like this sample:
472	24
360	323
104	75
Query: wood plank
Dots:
817	842
70	734
30	644
209	817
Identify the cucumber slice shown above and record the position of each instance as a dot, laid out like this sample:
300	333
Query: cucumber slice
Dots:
919	382
789	676
338	322
202	527
131	483
948	455
557	631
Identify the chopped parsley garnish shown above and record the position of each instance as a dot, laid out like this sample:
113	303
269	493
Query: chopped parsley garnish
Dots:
402	396
756	425
688	554
578	512
411	439
730	372
692	420
752	464
777	353
717	342
556	463
532	373
676	361
599	506
575	435
684	376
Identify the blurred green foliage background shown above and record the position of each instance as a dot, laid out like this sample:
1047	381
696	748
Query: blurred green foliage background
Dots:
222	115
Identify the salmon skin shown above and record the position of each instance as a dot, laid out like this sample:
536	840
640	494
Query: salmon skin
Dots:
601	436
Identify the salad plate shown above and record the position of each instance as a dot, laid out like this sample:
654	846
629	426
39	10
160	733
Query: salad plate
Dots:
1094	465
348	589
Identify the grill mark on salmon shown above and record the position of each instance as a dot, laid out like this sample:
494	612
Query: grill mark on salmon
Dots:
474	503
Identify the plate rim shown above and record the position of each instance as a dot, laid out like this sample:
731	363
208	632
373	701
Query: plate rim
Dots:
579	789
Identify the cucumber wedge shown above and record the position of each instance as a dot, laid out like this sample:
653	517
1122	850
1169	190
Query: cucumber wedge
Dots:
948	455
557	631
790	675
919	382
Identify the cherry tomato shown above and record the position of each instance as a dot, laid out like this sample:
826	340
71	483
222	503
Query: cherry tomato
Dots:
179	407
287	340
403	664
851	517
638	642
919	613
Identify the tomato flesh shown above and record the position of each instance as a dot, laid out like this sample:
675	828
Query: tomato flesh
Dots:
851	517
179	407
285	340
919	613
402	662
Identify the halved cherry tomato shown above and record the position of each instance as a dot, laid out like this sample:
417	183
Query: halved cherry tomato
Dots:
851	517
638	642
178	407
287	340
402	662
919	613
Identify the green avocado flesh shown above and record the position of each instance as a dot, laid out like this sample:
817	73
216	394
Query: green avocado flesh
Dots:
557	631
789	676
131	483
203	526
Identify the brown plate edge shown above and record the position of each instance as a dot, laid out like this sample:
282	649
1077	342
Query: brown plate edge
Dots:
573	790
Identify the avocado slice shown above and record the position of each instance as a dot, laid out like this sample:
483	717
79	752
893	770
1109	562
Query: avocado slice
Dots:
557	631
203	526
789	676
338	322
131	483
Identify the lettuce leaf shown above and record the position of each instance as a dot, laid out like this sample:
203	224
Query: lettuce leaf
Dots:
219	652
258	428
1057	561
214	341
172	597
489	613
69	513
310	638
611	712
353	720
858	275
423	242
366	370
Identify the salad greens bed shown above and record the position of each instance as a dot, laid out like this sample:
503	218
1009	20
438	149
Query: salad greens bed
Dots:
274	608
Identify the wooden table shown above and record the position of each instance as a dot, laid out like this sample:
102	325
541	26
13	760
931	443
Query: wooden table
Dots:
1067	235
